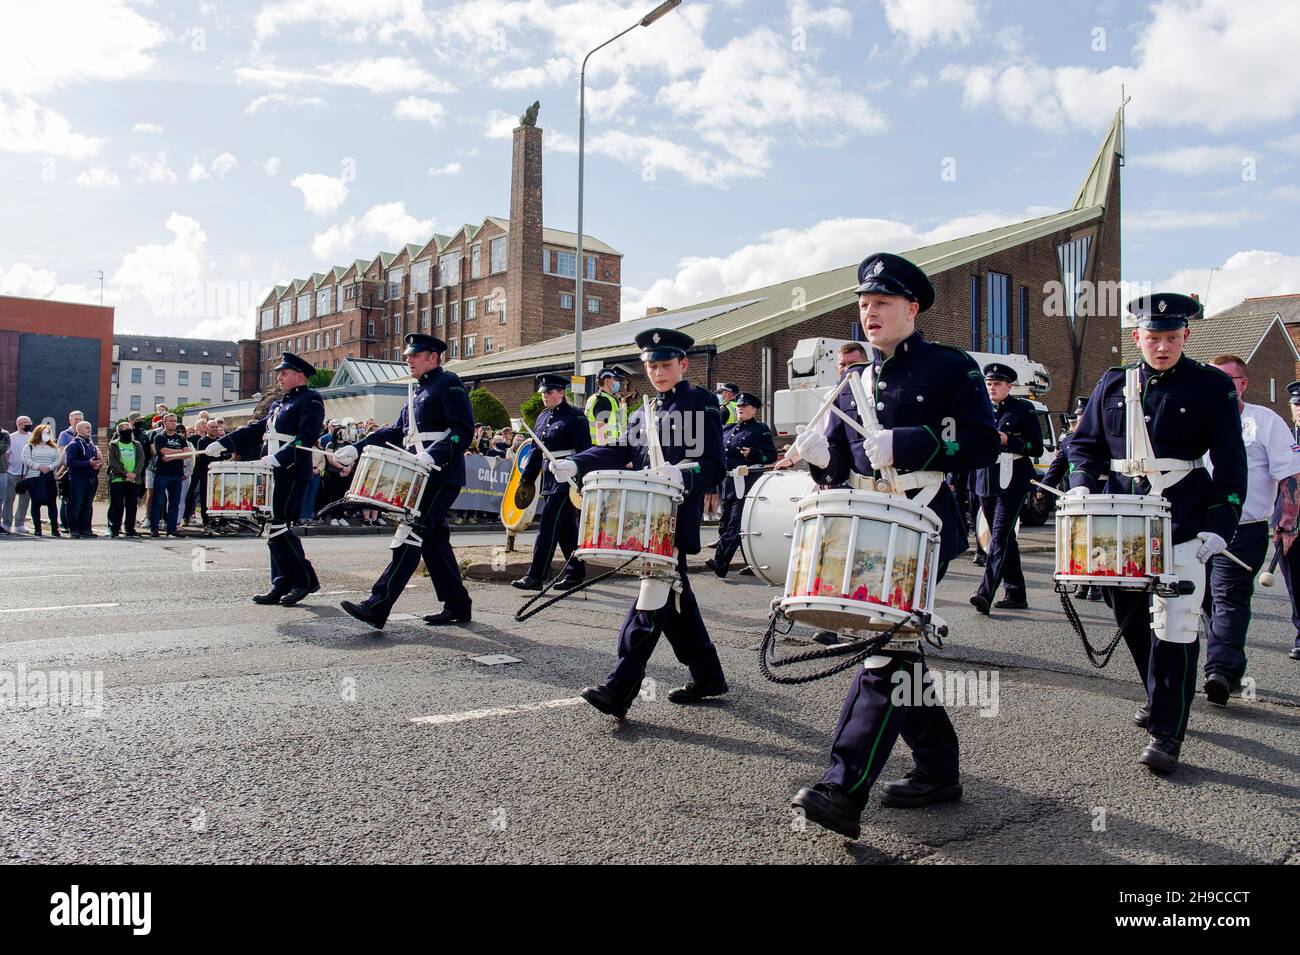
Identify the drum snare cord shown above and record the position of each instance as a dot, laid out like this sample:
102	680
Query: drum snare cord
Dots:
1098	658
523	613
860	650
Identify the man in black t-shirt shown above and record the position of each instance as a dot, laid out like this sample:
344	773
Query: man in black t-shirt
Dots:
168	477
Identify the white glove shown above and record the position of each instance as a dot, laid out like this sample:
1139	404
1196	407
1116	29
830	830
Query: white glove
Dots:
425	458
1211	544
346	456
812	446
880	449
670	471
215	450
563	469
1080	491
271	461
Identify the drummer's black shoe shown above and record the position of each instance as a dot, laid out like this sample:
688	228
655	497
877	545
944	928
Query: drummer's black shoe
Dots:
827	638
1217	689
445	617
980	603
604	699
1095	594
527	582
828	806
1006	603
713	566
910	792
1161	754
296	595
1142	715
272	596
978	560
1295	653
694	692
568	583
364	614
746	571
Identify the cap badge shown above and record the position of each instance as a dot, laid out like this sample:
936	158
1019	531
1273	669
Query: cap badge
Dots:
878	267
655	338
1160	305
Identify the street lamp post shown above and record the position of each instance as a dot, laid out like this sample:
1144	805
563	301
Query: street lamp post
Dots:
579	303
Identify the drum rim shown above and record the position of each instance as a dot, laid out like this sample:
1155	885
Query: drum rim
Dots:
826	601
614	553
603	479
394	456
921	515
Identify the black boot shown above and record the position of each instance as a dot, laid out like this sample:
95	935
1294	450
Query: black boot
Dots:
272	596
295	596
1142	715
980	603
694	692
527	582
569	582
363	613
828	806
712	564
1006	603
606	700
445	617
1161	754
1217	689
910	792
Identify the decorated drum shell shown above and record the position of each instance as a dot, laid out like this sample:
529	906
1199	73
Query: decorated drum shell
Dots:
388	480
239	488
1112	540
629	514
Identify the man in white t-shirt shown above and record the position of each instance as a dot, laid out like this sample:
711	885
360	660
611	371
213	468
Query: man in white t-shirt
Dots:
1272	465
12	504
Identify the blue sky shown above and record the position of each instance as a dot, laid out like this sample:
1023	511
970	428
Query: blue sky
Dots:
198	152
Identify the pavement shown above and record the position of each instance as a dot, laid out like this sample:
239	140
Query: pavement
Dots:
224	731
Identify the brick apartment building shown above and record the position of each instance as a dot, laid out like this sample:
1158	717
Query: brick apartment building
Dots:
1020	288
485	289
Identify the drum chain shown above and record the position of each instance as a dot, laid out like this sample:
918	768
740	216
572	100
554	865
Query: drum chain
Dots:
860	650
523	613
1098	658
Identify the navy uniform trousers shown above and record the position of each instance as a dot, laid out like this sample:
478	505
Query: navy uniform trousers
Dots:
1227	601
1289	569
1169	667
290	567
871	722
434	535
679	620
1002	565
559	524
733	508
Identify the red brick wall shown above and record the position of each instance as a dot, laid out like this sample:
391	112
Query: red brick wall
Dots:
44	317
524	292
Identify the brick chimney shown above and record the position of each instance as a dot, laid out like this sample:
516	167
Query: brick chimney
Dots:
653	309
524	293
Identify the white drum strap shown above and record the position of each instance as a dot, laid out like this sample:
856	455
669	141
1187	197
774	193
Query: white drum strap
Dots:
413	437
918	479
560	454
1141	460
275	440
276	530
1006	462
405	535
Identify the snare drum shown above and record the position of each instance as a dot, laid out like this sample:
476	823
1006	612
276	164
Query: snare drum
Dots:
627	513
767	520
862	560
240	488
389	480
1112	540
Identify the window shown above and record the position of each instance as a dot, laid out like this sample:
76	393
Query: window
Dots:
497	254
471	308
449	269
205	379
182	378
420	275
160	376
286	312
182	400
397	324
135	376
1023	320
424	318
453	312
395	282
114	374
999	313
304	306
268	319
566	263
338	337
339	298
487	345
1072	257
591	266
437	316
135	402
469	346
566	301
974	313
228	379
316	341
323	298
475	268
593	306
159	400
501	312
452	345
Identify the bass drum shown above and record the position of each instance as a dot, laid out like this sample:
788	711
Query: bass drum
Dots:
515	518
984	533
767	522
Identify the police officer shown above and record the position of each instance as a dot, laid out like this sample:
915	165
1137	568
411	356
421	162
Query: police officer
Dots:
1291	554
565	431
936	418
747	443
690	430
1188	409
1003	486
1059	470
293	421
727	393
437	424
605	413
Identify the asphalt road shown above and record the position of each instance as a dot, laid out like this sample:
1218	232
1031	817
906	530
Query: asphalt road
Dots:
231	732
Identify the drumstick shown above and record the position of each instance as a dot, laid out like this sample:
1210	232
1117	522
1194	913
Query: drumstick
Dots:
170	455
406	451
1048	487
651	423
324	451
546	452
1266	579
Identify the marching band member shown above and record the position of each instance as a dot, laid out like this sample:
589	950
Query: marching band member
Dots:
1002	488
438	424
747	443
606	414
687	419
1188	409
1291	554
294	420
564	431
932	405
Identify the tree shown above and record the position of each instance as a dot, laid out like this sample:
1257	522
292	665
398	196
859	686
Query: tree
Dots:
533	406
488	409
321	379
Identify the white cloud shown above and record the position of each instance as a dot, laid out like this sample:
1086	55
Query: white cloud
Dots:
322	194
357	21
1287	144
1193	160
156	272
419	110
388	74
925	22
197	173
804	15
1286	193
1254	78
26	281
224	165
271	166
1245	274
285	100
146	128
1158	220
98	177
450	169
26	127
387	222
152	169
45	46
556	70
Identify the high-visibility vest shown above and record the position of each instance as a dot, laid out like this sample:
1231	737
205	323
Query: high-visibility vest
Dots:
730	413
603	403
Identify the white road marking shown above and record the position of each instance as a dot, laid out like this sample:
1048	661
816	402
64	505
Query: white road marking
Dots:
65	607
496	711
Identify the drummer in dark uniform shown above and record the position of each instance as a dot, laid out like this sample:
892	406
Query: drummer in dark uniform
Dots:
749	444
1058	473
687	420
565	431
936	418
438	432
1290	565
1189	409
1002	488
294	421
